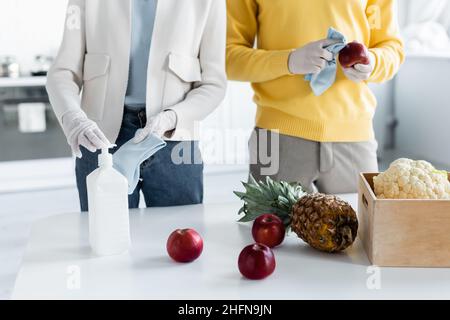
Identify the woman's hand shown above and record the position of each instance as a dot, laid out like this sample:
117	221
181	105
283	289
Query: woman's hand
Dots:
361	72
158	125
81	131
311	58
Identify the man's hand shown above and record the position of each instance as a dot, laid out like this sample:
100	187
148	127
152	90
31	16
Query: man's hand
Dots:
311	58
79	130
360	72
158	125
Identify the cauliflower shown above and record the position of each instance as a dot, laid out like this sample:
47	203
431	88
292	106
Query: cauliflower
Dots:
409	179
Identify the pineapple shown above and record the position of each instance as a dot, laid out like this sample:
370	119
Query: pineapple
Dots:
325	222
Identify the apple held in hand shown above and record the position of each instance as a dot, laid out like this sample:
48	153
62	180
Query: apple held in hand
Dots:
354	53
256	261
269	230
184	245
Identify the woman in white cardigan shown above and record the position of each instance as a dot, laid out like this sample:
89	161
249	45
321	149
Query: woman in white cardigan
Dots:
142	67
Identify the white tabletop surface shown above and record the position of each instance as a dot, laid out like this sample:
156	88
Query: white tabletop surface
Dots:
58	264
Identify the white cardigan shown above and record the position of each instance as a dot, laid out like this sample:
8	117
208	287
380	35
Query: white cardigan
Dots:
186	71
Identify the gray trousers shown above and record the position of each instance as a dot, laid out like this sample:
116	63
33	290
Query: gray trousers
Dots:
331	167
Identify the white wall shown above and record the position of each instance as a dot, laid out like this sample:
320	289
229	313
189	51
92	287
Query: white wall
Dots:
416	11
30	27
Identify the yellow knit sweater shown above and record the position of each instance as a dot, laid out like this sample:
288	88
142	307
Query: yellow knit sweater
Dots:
286	102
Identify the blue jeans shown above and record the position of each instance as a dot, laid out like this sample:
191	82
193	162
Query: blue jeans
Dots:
162	182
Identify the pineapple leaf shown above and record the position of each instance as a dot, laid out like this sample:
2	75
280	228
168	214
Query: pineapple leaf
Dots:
241	195
252	180
268	197
249	217
242	210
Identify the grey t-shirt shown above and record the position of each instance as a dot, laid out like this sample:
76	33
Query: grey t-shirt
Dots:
143	18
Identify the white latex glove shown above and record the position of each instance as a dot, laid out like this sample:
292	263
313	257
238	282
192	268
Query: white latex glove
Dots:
157	125
360	72
79	130
311	58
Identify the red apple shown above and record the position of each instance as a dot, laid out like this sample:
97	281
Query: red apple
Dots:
184	245
268	229
256	261
354	53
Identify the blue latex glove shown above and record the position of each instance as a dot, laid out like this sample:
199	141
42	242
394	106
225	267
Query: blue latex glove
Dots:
128	159
323	80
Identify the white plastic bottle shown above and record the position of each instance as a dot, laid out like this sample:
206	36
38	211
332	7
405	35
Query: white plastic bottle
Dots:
109	225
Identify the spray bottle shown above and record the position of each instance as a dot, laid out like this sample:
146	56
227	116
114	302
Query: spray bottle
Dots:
109	230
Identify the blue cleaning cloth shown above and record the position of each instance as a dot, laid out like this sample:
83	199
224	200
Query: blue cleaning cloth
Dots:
128	159
322	81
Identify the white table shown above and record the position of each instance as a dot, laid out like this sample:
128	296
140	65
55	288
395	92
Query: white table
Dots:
58	264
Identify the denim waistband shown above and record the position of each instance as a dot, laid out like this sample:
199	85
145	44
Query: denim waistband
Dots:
134	110
135	117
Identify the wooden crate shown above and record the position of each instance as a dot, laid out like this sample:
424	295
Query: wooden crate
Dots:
403	233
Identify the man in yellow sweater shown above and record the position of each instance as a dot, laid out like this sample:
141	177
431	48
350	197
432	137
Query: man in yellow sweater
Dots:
324	141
